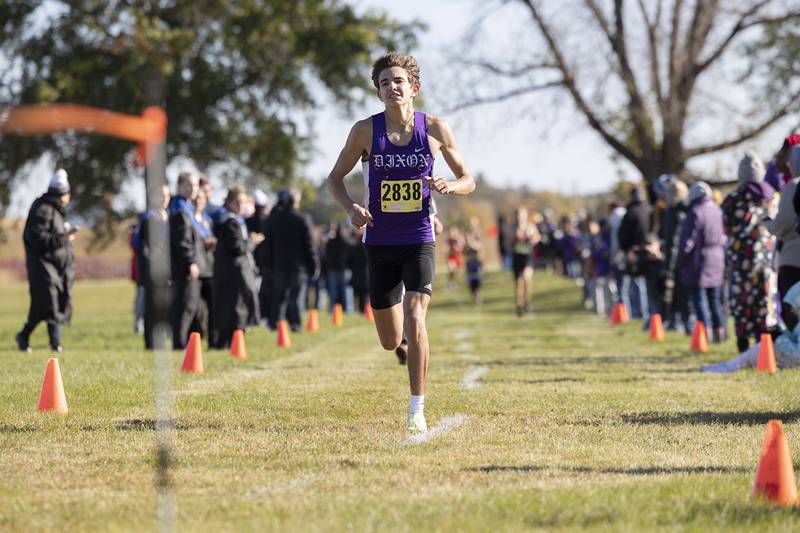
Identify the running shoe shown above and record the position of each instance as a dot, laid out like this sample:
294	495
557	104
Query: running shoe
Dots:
416	422
401	352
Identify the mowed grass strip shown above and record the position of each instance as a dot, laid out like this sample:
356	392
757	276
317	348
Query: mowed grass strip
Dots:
574	424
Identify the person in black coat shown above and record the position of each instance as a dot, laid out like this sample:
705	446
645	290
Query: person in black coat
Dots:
186	246
50	263
150	221
291	257
255	226
633	232
235	300
337	250
359	270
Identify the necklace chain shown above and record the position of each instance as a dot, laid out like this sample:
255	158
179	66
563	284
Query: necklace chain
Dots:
403	126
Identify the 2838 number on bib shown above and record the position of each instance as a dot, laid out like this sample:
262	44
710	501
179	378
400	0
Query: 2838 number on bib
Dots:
401	196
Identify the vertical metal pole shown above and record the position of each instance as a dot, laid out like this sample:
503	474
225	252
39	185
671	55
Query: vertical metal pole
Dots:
158	289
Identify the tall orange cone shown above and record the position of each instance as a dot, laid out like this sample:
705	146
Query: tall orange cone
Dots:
284	341
238	348
699	338
775	472
52	398
766	355
193	360
657	332
619	314
312	324
338	316
368	312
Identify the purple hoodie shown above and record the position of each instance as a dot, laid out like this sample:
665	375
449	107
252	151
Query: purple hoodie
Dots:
701	251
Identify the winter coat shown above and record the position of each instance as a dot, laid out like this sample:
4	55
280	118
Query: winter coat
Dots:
49	260
701	249
287	233
783	227
234	286
185	238
635	226
358	264
141	243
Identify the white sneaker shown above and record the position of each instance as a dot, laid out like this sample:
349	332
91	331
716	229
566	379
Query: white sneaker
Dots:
416	422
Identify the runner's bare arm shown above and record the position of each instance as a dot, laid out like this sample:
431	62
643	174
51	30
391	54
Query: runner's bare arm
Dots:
357	144
445	141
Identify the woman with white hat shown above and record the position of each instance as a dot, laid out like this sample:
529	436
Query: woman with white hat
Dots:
48	257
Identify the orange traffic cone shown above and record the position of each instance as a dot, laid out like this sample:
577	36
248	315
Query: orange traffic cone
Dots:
775	472
657	332
52	398
368	312
312	324
619	314
238	349
284	341
699	338
766	355
338	317
193	360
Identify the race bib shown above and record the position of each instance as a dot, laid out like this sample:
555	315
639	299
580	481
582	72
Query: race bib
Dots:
401	196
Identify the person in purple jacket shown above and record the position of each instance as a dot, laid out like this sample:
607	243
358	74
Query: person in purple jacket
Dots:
701	258
397	148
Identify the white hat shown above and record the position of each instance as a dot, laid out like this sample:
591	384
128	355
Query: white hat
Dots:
751	168
59	183
260	198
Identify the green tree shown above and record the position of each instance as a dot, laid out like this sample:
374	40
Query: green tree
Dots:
237	79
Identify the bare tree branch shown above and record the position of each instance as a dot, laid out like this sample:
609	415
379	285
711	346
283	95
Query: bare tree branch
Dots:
639	115
570	84
505	96
510	72
655	63
740	25
779	114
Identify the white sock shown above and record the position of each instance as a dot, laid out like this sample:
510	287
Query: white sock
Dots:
417	404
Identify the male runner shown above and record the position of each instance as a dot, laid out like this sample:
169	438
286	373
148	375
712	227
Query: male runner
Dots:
397	148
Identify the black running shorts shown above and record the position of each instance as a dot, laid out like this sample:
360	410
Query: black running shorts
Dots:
392	267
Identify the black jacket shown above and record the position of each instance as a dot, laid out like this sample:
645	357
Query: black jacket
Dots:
289	248
359	267
186	244
234	285
49	260
635	225
144	252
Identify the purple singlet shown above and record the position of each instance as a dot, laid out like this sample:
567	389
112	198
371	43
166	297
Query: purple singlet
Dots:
397	196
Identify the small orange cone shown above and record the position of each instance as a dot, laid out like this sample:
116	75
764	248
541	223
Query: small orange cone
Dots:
338	316
699	338
775	472
238	348
766	355
284	341
619	314
52	398
312	324
193	360
657	332
368	313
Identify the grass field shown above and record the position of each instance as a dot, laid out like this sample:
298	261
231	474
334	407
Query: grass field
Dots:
569	423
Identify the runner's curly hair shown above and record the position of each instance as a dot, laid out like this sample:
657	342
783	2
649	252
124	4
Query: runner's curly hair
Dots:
396	59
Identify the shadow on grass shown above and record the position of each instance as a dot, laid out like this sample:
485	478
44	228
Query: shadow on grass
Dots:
11	429
607	359
708	417
537	381
640	471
